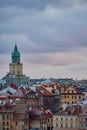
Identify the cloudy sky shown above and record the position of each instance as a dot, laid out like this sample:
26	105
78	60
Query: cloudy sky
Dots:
50	34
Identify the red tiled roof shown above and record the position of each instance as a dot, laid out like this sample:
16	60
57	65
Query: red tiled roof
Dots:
49	115
44	91
2	98
71	110
13	86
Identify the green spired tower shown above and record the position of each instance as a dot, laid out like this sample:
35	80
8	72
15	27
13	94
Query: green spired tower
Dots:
16	68
15	75
16	55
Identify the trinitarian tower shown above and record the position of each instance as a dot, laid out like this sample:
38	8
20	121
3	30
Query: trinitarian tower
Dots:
16	68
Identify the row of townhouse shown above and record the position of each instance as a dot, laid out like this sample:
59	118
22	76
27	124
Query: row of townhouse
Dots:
46	95
14	117
40	100
68	94
73	117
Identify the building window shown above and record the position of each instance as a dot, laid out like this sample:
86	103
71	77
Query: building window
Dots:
44	128
3	117
61	125
3	123
66	119
76	119
76	125
85	125
66	125
71	125
56	124
61	119
16	123
71	119
51	120
7	117
79	97
80	119
48	120
56	119
85	119
7	123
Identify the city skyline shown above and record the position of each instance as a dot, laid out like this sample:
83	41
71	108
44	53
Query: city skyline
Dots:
51	37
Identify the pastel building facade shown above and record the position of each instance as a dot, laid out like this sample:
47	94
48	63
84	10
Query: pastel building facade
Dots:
70	95
65	121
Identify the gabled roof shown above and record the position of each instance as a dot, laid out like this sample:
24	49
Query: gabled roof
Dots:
71	110
44	91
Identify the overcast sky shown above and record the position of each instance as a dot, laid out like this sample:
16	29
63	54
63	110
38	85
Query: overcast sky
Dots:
51	36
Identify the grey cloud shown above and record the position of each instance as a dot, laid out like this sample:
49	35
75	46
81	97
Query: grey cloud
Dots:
42	31
40	4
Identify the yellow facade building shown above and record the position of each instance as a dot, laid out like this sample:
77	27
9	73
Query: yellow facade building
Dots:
65	121
70	95
67	117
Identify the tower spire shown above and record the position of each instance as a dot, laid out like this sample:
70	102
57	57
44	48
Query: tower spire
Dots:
15	55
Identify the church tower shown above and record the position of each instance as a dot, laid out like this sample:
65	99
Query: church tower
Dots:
16	67
16	55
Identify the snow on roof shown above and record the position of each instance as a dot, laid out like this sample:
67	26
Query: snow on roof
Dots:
85	102
33	88
46	81
12	90
2	81
8	89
